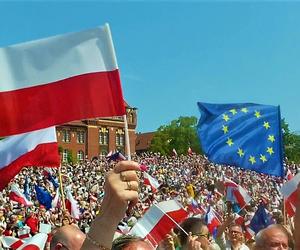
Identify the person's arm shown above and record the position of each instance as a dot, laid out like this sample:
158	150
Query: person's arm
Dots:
121	192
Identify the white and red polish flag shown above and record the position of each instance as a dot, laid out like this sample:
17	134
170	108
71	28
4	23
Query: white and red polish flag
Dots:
149	180
238	219
17	196
249	233
56	202
11	242
72	205
36	242
159	220
37	148
289	206
59	79
236	193
289	192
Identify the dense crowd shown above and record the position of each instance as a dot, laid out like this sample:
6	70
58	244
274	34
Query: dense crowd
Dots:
184	178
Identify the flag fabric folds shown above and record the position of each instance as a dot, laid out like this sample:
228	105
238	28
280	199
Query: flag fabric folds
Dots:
261	219
152	182
159	220
44	197
117	156
245	135
289	192
39	79
212	221
37	148
72	205
17	196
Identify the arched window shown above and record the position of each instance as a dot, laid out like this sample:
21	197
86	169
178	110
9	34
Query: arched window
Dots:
103	136
66	135
80	136
120	139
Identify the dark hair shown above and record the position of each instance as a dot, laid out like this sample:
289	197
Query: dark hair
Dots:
192	225
124	240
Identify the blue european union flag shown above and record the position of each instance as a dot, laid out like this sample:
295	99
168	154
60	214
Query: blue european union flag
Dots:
245	135
261	219
43	196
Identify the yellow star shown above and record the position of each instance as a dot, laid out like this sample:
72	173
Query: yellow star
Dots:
252	159
263	158
271	138
225	129
245	110
233	111
266	125
226	117
229	142
270	150
257	114
240	152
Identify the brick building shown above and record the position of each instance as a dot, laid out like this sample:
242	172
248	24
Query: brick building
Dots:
96	137
143	142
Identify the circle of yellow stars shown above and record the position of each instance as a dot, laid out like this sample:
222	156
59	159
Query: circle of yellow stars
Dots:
252	159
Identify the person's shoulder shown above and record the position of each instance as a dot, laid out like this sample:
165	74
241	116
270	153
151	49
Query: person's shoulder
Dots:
244	247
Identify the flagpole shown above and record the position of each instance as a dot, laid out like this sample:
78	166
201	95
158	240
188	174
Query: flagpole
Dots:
127	145
172	220
61	188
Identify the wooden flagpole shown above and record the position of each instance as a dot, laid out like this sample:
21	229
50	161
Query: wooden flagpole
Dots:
61	188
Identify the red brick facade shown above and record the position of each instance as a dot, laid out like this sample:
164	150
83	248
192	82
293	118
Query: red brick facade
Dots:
95	137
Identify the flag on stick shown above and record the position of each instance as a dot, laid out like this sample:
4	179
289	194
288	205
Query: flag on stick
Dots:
159	220
39	80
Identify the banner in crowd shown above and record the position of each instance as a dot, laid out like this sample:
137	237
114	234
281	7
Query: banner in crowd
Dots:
245	135
37	148
59	79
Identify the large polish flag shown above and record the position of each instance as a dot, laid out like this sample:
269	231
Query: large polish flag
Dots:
159	220
289	191
37	148
59	79
36	242
17	196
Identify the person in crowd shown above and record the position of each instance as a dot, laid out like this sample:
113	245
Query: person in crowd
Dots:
67	237
235	237
130	242
274	237
193	234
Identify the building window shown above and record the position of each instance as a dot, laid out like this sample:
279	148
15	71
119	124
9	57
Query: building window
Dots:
120	137
66	136
131	118
103	136
80	136
65	155
80	155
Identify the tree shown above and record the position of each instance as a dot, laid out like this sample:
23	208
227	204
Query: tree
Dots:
291	142
179	134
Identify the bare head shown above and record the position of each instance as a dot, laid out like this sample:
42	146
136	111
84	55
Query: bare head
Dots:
274	237
130	242
67	237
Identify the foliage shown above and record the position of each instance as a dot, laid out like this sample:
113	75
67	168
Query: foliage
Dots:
71	158
180	134
291	143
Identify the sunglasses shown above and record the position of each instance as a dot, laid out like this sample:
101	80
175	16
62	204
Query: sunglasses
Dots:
207	236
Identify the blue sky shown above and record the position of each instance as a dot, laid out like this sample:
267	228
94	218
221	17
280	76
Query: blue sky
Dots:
173	54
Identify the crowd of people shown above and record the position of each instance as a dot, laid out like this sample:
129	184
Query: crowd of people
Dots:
186	178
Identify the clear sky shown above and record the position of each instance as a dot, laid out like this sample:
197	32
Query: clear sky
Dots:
173	54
